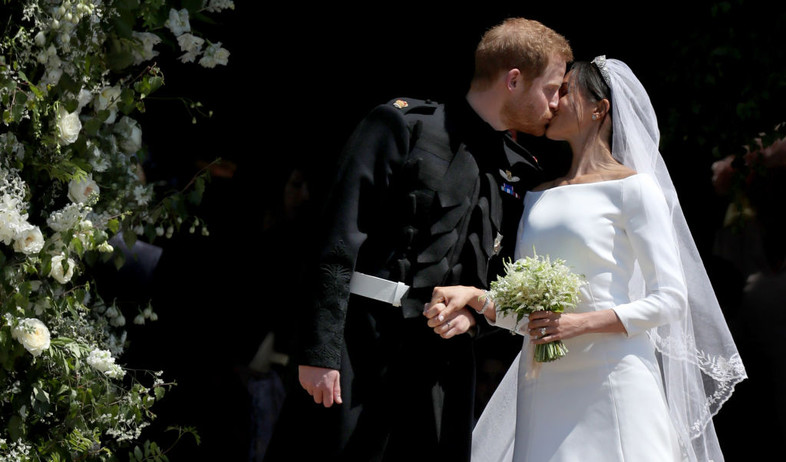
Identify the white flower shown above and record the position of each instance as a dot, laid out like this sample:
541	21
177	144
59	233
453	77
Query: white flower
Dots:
107	100
214	55
53	66
83	98
214	6
178	22
130	134
33	335
147	41
10	222
11	145
97	159
103	361
67	218
68	126
58	273
191	45
29	240
80	190
142	195
118	321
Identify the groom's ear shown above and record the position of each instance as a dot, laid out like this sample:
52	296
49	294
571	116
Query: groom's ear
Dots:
513	78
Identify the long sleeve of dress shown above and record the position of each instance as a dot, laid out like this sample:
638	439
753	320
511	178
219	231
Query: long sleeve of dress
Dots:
648	227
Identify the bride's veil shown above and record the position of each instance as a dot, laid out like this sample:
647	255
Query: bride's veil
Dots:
699	359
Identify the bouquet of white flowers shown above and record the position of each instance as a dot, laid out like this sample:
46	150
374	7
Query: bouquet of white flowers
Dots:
536	284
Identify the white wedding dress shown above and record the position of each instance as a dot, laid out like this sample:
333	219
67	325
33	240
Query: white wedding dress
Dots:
604	401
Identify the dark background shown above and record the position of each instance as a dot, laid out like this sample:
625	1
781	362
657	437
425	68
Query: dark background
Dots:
300	77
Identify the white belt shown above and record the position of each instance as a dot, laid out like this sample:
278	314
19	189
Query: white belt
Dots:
377	288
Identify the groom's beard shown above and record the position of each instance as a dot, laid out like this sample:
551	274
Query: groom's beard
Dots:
522	116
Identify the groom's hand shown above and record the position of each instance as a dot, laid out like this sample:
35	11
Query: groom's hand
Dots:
448	313
323	384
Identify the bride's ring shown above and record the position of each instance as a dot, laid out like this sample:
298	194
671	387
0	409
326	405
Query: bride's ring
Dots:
542	331
448	324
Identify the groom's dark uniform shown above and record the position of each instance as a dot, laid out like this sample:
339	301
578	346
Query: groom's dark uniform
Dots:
419	199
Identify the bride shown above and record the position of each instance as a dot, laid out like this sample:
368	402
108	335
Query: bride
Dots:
650	358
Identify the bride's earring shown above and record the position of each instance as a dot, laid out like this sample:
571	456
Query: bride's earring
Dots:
594	117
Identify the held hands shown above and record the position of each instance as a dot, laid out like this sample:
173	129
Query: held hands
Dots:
323	384
448	312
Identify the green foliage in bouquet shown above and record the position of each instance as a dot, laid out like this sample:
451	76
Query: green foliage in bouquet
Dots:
73	74
536	284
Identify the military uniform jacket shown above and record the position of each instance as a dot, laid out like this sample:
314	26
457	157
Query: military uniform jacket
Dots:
426	194
419	199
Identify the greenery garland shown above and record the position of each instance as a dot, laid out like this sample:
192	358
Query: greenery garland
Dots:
73	76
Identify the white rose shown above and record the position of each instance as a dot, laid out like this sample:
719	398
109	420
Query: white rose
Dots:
80	190
130	135
68	126
58	273
33	335
29	240
178	22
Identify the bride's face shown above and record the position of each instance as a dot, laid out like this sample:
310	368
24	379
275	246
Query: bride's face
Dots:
573	115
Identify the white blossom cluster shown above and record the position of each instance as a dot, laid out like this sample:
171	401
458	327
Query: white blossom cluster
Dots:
147	313
191	45
15	451
74	73
14	227
103	361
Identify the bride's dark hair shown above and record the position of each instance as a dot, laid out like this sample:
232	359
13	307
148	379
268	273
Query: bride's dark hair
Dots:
587	78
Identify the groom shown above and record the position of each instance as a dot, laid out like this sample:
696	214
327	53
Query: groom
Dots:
427	194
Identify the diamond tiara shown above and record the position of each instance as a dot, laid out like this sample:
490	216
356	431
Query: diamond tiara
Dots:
600	63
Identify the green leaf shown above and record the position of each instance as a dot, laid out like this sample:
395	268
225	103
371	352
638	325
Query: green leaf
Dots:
18	109
148	84
195	196
126	104
129	238
15	427
119	259
113	225
41	395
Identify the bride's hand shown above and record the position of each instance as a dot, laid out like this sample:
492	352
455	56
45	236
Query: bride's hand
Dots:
548	326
